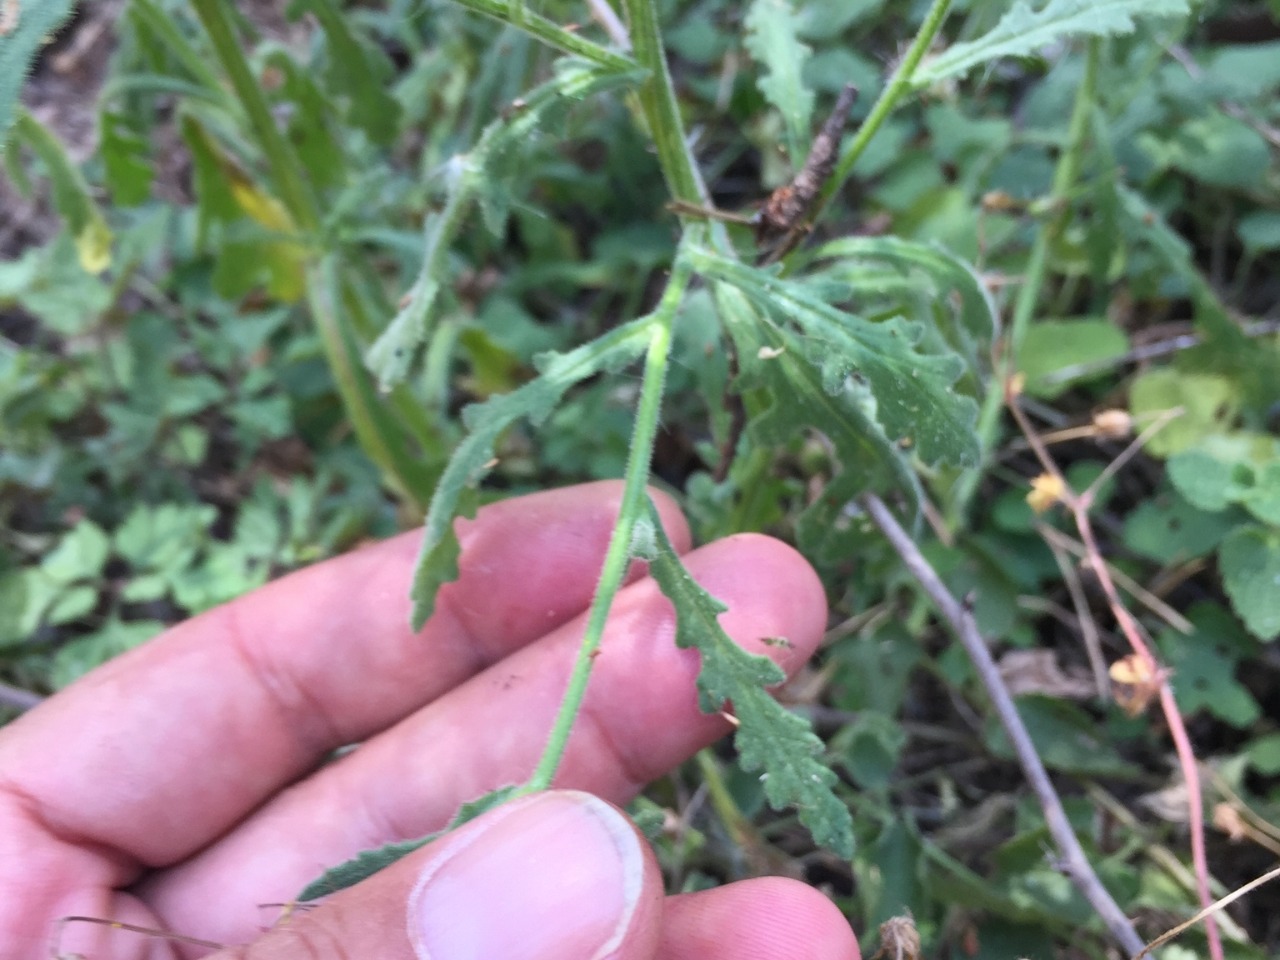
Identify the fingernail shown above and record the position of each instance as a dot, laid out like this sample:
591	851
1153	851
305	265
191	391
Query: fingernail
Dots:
556	876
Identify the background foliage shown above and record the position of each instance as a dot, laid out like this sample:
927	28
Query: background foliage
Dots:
186	410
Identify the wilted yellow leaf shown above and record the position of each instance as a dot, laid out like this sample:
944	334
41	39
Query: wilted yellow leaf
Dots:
1135	684
93	246
259	205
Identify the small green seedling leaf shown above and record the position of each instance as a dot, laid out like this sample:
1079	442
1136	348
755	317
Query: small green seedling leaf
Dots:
1025	30
368	862
769	738
1209	404
455	494
773	41
1053	349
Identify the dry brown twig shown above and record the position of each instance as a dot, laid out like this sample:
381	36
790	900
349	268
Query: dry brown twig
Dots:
1073	861
1207	913
1079	505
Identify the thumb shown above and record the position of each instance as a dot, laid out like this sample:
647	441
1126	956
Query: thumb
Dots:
554	876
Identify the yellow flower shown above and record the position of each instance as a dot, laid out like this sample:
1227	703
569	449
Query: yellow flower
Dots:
1046	490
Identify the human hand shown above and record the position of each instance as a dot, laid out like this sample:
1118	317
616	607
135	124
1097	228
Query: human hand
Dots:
184	784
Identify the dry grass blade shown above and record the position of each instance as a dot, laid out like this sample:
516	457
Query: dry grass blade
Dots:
57	953
1207	912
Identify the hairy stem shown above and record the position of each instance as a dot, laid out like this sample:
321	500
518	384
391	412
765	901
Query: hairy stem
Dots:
661	110
618	554
549	32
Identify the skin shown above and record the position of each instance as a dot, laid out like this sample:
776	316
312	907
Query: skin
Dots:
185	784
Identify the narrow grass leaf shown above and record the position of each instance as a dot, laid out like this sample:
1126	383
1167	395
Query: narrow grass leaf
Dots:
769	738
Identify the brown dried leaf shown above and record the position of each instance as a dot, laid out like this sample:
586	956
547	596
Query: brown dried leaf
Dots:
1037	671
899	939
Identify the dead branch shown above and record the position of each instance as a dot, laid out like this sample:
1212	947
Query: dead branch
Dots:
1073	861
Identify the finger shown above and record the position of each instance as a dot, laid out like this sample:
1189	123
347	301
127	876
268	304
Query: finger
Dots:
640	718
164	749
765	919
555	876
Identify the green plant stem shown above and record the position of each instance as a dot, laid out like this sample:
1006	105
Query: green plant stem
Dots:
287	173
180	48
735	823
661	109
552	33
1064	178
887	102
618	554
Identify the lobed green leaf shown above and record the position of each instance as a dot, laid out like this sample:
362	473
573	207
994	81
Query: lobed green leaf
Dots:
769	738
910	391
483	176
964	312
1026	30
772	39
455	493
1250	565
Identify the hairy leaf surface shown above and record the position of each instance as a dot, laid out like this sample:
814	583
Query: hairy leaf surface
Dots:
454	495
368	862
769	738
24	27
483	176
912	390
